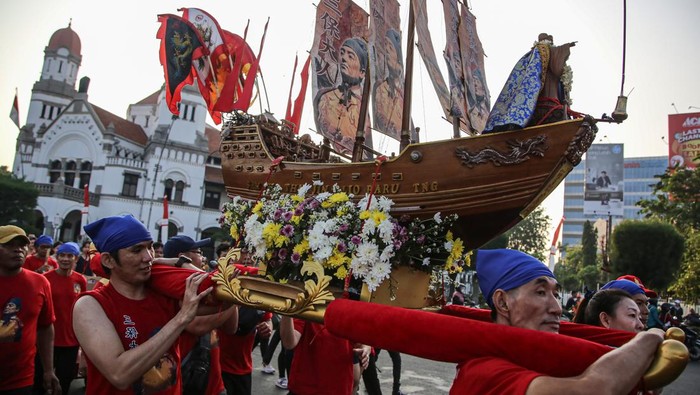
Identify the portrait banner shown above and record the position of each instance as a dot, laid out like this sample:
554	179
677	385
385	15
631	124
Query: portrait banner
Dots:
684	140
427	53
455	69
387	67
604	186
340	57
478	97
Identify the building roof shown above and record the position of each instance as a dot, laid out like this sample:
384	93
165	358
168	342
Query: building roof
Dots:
150	99
214	138
65	38
213	175
122	127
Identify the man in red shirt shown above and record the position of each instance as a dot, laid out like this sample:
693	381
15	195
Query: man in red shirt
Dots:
522	292
237	349
27	318
128	332
323	363
41	261
66	285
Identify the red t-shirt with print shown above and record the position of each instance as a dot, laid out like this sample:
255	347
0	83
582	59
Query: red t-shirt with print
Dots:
26	303
136	321
65	291
492	376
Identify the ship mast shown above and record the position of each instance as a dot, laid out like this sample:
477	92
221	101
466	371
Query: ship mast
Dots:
408	82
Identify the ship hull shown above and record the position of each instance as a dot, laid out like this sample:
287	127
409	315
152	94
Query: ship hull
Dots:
491	181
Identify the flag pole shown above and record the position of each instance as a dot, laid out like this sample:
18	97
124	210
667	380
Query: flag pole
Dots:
164	223
84	213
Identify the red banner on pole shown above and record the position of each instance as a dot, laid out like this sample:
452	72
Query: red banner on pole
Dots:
165	209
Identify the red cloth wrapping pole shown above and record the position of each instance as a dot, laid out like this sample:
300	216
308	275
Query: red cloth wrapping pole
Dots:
609	337
170	281
447	338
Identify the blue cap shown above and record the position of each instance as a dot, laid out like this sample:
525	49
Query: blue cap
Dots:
43	240
181	243
626	285
68	248
506	269
110	234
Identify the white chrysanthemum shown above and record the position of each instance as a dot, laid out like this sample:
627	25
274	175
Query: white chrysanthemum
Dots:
437	218
386	229
318	183
426	261
387	254
368	229
303	190
384	203
317	239
323	253
323	196
448	245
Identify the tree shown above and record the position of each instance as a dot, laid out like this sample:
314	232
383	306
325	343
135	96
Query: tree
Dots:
589	244
649	249
676	198
531	235
19	199
687	286
567	269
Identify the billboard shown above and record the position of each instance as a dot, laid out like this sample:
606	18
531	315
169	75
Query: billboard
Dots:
684	140
603	191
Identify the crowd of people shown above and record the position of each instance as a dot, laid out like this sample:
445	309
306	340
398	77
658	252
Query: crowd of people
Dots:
142	318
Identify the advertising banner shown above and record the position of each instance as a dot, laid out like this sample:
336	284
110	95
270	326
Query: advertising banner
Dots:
684	140
603	191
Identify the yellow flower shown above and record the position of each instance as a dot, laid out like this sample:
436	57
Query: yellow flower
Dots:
364	214
302	247
258	206
296	219
341	273
271	233
378	217
337	259
234	232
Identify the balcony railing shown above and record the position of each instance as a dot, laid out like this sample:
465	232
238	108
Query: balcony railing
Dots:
62	191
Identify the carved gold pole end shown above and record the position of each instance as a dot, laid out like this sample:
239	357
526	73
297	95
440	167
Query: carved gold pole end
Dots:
670	361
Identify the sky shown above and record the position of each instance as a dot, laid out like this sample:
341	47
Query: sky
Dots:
120	55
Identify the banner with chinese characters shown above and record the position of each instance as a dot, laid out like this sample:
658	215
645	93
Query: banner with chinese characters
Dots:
684	140
604	180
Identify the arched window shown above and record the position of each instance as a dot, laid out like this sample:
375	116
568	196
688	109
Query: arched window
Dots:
54	171
69	175
179	188
168	189
85	172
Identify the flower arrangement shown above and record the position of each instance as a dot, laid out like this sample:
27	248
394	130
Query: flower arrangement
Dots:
362	239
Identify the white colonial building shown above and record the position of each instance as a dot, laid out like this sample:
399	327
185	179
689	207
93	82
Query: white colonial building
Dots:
129	164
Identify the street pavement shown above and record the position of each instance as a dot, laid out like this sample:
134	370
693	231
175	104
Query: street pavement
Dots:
420	377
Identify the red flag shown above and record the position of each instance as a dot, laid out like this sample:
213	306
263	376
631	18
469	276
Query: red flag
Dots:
243	102
86	196
233	78
288	113
295	119
208	67
14	113
180	45
165	209
553	250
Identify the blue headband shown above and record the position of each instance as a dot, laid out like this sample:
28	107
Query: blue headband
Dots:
68	248
43	240
506	269
114	233
626	285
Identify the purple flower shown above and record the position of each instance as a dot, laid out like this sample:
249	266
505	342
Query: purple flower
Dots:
287	216
299	210
282	254
355	239
277	215
420	239
343	227
287	230
296	258
342	247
